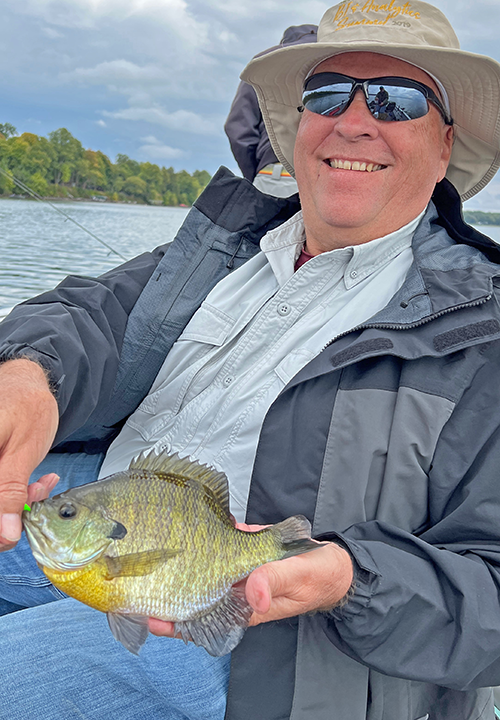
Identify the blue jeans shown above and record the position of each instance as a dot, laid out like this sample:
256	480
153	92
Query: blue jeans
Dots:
59	660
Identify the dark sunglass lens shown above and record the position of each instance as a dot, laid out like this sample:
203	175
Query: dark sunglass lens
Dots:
395	102
327	99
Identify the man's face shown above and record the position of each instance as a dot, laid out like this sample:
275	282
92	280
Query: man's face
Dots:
343	207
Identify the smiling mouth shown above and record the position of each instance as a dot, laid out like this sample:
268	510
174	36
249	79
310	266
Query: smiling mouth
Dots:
359	166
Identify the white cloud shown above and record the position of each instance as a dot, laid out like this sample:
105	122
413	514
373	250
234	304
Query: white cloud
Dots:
156	151
101	123
181	120
51	33
488	200
293	9
113	71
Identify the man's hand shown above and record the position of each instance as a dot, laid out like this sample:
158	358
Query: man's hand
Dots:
28	422
317	580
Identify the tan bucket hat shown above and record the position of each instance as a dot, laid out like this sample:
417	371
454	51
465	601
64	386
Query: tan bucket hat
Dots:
414	31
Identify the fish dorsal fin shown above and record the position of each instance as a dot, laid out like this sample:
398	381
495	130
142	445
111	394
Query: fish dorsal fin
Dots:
131	630
192	469
220	630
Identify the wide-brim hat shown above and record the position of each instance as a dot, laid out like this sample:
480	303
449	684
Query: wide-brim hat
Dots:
416	32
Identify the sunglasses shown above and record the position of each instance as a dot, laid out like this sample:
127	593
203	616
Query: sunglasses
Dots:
392	99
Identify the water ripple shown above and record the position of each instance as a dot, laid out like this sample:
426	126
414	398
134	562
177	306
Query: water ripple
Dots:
39	247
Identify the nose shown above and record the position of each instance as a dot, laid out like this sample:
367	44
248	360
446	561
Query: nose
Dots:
357	121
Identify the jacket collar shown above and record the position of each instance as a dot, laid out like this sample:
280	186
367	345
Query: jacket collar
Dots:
447	296
445	274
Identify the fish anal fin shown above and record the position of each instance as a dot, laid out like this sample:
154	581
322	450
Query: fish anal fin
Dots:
131	630
168	464
221	629
137	564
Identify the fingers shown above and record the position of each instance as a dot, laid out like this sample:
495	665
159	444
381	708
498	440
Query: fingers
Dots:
28	423
11	524
10	530
250	528
162	628
42	488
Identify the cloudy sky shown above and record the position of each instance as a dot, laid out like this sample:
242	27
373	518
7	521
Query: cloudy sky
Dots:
154	79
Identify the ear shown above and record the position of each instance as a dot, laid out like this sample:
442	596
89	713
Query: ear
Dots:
446	148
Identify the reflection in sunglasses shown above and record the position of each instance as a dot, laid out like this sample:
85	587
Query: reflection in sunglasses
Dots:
397	99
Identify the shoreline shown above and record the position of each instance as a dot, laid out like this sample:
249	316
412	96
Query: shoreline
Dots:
96	199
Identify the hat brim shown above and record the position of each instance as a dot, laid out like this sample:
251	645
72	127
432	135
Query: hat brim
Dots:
471	81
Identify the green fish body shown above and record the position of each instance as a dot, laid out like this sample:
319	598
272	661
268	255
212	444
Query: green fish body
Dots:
158	541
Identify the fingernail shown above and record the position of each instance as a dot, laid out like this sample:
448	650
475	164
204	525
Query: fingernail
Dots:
38	492
54	480
10	527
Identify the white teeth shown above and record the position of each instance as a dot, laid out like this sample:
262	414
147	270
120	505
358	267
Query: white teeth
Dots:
356	165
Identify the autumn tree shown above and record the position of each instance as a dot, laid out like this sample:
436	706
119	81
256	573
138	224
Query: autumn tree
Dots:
59	165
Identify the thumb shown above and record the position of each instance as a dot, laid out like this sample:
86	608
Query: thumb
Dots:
259	589
12	498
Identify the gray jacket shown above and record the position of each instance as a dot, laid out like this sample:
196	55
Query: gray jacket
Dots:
387	441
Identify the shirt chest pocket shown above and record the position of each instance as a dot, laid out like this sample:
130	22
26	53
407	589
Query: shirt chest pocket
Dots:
209	326
198	347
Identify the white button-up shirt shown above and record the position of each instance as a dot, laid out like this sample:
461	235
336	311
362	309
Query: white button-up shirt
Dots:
256	329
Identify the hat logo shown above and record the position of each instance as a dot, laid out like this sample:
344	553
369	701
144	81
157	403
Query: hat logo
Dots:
346	11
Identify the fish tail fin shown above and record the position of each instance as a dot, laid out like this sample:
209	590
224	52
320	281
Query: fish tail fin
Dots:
295	535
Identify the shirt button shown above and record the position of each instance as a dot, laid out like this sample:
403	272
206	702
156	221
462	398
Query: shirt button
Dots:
228	380
284	309
354	274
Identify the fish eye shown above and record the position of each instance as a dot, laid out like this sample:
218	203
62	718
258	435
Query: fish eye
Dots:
68	510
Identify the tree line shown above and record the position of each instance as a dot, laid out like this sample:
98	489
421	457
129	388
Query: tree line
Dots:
59	166
477	217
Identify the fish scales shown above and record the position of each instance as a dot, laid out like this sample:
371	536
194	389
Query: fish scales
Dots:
158	541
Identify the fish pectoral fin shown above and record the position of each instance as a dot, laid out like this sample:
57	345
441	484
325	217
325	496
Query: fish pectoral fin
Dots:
137	564
221	629
130	630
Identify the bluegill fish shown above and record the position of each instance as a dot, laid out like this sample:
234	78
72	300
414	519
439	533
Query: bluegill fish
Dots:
158	541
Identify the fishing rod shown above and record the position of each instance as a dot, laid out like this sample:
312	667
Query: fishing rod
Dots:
38	197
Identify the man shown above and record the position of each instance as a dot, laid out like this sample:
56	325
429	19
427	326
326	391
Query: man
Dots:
349	371
381	98
247	133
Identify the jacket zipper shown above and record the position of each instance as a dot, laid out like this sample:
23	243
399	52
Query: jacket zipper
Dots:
411	326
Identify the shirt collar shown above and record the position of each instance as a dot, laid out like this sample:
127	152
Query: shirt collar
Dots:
283	245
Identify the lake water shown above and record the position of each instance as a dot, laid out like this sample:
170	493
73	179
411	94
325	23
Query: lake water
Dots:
39	247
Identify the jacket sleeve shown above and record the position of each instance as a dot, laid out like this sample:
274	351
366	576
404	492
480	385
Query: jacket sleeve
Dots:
76	332
426	607
242	129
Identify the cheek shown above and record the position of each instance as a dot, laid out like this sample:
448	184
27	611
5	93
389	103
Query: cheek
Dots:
429	150
313	129
301	147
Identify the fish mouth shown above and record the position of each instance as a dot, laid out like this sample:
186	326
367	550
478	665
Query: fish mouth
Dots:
44	549
356	165
39	546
